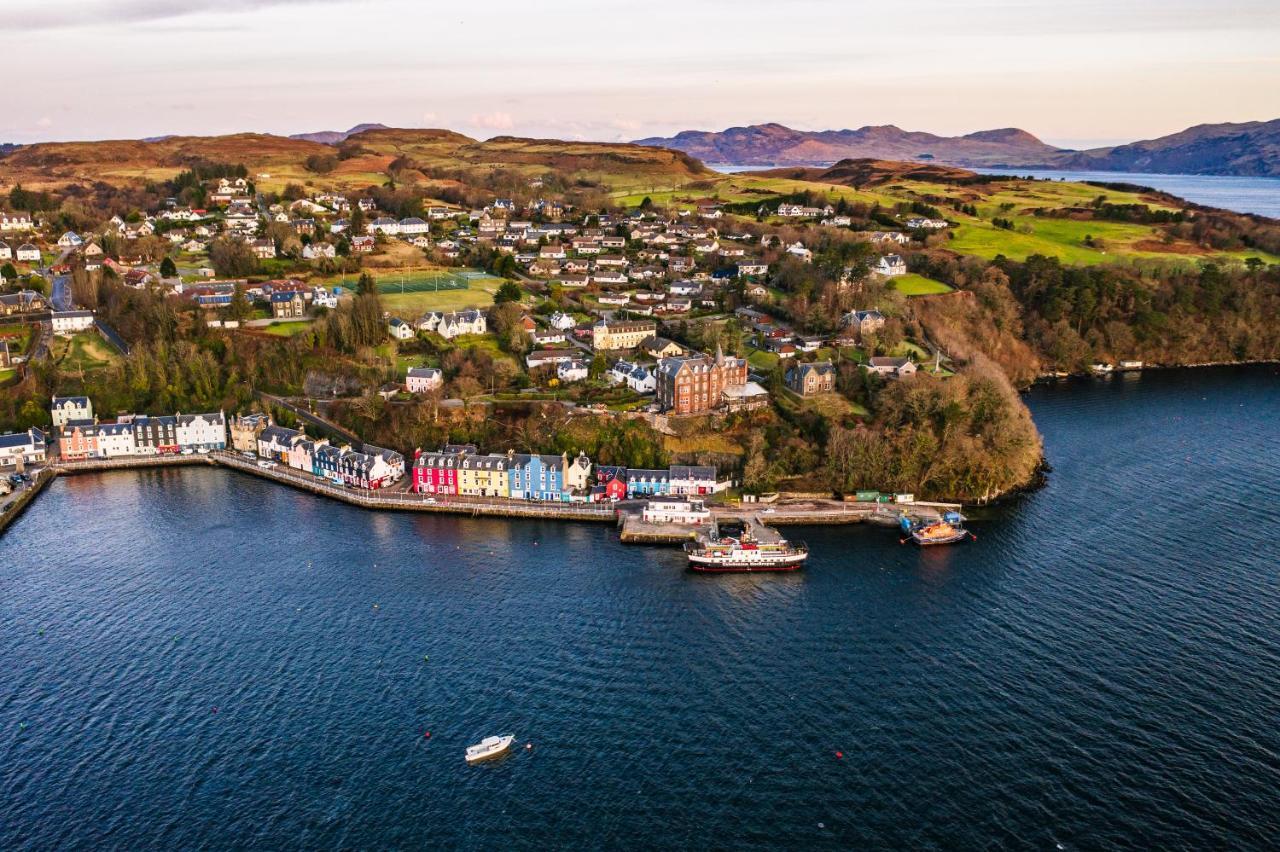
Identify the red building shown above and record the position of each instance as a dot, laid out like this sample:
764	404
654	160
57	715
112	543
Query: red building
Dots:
436	473
613	482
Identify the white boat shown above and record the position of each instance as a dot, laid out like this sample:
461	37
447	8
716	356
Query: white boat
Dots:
744	554
489	747
1101	369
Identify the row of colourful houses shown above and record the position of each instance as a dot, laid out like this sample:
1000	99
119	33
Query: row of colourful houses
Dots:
459	469
369	468
678	480
82	436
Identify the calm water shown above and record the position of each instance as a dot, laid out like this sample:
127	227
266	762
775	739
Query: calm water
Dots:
1243	194
1101	669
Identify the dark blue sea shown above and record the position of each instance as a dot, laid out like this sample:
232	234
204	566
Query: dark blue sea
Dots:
196	659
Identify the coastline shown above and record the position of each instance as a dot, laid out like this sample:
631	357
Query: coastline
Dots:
805	513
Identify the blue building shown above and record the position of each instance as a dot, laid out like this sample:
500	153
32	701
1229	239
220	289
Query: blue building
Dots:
648	482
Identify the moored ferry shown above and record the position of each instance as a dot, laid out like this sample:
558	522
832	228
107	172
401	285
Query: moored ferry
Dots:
949	529
728	554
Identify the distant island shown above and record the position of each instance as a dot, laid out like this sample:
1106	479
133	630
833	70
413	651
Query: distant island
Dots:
1249	149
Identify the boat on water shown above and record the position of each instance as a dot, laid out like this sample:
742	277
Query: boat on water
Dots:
948	529
490	747
1101	369
729	555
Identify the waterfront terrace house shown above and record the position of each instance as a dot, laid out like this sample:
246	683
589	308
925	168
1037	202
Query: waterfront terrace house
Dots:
78	440
326	462
695	479
484	476
423	379
696	384
646	483
275	442
893	368
549	477
64	409
116	440
375	468
611	481
810	379
245	430
202	431
621	335
302	454
156	436
19	449
436	473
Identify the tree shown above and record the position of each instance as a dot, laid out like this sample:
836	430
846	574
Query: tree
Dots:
367	285
232	258
168	269
509	292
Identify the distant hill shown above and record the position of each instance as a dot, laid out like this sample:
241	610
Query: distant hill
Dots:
1211	149
334	137
1251	149
777	145
416	153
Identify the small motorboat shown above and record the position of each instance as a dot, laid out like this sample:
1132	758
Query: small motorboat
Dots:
490	747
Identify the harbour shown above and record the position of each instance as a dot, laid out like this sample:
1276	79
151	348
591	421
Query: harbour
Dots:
1134	620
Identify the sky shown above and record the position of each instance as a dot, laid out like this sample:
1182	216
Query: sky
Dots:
1076	73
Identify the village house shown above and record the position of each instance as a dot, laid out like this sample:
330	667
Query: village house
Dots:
423	379
450	324
363	244
156	435
864	322
890	265
263	249
893	368
116	440
78	440
288	304
15	222
548	357
399	329
571	371
317	251
812	378
21	302
67	323
28	253
202	431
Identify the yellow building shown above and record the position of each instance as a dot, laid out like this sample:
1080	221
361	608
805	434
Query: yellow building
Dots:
483	476
621	335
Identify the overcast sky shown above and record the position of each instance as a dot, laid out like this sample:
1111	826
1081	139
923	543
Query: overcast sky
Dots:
1074	72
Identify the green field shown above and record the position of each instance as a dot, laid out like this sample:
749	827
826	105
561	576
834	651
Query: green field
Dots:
413	292
917	285
86	351
287	328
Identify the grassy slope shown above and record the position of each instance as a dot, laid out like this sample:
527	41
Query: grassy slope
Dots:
917	285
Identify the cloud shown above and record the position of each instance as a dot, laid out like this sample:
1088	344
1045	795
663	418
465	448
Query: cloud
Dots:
64	15
494	121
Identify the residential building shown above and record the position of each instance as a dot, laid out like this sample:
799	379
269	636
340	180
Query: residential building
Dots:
813	378
695	479
864	322
890	265
78	440
627	334
644	483
202	431
400	329
423	379
450	324
155	435
64	409
288	304
67	323
893	368
275	442
116	440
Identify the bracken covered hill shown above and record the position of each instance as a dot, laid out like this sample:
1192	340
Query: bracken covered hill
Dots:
868	172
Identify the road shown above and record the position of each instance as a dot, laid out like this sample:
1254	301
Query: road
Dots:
61	297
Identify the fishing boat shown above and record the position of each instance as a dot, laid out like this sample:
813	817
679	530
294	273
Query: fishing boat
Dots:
949	529
745	553
490	747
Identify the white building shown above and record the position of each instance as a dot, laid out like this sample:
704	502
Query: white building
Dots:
64	409
15	222
202	431
67	323
450	324
22	448
423	379
572	371
29	253
116	440
891	265
400	329
670	511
